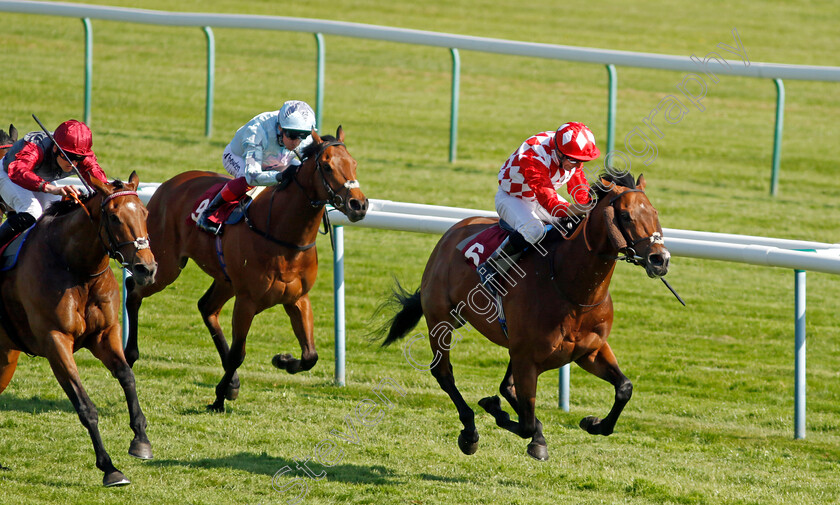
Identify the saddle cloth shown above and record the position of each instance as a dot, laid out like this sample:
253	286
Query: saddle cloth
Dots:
204	200
10	253
479	246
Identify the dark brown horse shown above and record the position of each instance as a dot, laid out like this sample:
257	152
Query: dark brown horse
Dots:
62	296
270	261
558	311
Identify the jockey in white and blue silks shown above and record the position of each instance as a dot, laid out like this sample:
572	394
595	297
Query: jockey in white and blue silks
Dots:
261	152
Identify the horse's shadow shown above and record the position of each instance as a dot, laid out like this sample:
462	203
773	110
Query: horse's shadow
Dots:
34	404
263	464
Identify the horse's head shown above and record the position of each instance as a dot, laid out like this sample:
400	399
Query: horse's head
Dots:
334	175
122	227
7	139
632	224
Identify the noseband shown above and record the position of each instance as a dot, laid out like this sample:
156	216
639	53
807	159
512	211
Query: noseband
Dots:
629	251
113	247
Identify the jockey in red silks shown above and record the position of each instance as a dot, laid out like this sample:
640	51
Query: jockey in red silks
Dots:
32	164
261	154
527	198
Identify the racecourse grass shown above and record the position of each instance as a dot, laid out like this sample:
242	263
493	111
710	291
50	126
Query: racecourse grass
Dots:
711	418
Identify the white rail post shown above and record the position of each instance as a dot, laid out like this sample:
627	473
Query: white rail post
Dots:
338	302
799	368
565	372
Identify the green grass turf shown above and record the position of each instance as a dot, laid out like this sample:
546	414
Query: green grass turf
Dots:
711	419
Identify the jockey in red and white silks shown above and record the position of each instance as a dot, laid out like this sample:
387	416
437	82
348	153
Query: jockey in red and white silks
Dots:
528	181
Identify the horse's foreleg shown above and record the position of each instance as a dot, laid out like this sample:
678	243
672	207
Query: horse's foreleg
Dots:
8	364
109	352
133	300
210	305
60	356
243	316
303	324
537	448
602	363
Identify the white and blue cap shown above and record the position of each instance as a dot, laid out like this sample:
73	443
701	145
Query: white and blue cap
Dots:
297	115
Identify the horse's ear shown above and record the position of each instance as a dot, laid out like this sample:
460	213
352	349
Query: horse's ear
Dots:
13	133
100	187
316	137
134	180
339	134
640	182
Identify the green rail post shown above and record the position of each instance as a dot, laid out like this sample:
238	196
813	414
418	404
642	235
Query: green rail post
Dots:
612	94
453	114
319	81
88	67
777	137
211	71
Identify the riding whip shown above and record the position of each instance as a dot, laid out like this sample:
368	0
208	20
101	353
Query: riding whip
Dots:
672	290
72	165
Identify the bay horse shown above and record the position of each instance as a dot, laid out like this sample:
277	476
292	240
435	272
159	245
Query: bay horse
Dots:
62	296
559	311
270	261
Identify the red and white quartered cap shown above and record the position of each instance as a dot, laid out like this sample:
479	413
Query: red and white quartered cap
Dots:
576	140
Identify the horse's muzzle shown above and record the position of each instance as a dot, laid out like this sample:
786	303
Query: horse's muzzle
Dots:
657	263
356	209
143	272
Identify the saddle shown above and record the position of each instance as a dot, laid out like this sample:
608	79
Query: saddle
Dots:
480	246
227	213
10	252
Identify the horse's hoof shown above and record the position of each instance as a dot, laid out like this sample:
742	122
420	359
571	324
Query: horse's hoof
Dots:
490	404
217	406
282	361
468	446
591	425
115	478
232	393
140	450
538	451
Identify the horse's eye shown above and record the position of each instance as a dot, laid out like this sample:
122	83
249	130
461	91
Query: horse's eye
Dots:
625	216
114	218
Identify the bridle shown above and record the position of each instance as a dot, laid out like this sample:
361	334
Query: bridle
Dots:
112	246
628	252
335	199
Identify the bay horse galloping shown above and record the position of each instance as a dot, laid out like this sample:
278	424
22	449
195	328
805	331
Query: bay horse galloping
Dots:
62	296
270	261
558	312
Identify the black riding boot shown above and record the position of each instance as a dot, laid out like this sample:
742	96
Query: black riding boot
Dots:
15	223
502	258
203	222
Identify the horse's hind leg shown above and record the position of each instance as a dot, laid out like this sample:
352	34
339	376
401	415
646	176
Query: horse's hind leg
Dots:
538	448
8	364
60	356
440	337
109	352
303	324
210	305
602	363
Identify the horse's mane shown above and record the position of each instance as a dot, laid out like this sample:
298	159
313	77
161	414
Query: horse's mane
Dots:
63	207
625	179
313	148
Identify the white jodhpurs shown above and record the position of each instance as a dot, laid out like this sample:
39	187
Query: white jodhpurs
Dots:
526	217
20	199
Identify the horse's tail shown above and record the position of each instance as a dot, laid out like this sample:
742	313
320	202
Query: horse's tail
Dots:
409	314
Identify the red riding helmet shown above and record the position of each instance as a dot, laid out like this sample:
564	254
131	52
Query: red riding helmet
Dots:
576	140
74	137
